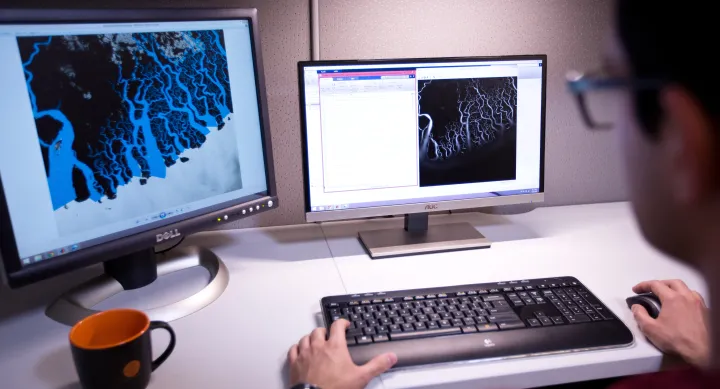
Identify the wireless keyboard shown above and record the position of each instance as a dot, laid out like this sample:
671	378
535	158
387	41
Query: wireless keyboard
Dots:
468	322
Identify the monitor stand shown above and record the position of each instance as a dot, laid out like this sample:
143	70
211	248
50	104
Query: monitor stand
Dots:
419	238
137	270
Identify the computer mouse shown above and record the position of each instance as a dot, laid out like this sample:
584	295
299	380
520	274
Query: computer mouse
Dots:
649	301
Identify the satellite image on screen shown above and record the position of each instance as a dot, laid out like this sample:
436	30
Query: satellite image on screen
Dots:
126	109
468	130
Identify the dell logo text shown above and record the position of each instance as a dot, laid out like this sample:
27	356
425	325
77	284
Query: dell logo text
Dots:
431	206
167	236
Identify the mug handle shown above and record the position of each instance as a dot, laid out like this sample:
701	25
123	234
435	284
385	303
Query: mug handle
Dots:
154	325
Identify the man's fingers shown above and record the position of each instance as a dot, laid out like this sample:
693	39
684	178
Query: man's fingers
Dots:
304	344
337	331
379	365
643	319
318	336
660	289
699	297
677	285
293	354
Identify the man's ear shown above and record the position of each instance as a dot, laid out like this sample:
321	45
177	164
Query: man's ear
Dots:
689	144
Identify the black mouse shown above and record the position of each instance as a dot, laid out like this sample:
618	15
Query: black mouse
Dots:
649	301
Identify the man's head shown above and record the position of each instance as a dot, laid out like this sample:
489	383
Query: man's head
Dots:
670	135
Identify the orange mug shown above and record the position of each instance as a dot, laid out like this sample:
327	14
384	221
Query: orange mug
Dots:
112	349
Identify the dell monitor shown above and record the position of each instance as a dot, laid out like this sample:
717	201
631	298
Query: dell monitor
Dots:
122	129
414	136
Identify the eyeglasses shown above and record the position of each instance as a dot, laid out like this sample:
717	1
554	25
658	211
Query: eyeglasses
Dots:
581	84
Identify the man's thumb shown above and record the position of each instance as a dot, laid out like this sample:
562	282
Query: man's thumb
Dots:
379	364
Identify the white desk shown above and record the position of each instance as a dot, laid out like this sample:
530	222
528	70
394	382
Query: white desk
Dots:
240	341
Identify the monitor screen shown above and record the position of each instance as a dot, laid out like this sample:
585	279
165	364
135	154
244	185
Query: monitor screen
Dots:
112	129
402	132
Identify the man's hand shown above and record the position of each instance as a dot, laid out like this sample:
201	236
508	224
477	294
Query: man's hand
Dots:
682	326
327	363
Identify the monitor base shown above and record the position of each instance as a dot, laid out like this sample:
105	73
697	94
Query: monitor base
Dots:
419	238
77	303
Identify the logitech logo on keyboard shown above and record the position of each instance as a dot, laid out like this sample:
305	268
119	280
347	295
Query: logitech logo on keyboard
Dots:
489	343
167	235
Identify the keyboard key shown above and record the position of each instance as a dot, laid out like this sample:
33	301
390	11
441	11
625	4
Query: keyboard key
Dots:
419	297
594	316
385	321
573	319
377	301
576	310
422	318
482	291
365	302
461	294
505	317
425	334
389	300
565	311
419	326
548	293
469	321
534	322
431	325
518	303
588	309
369	331
529	287
494	290
472	293
604	313
354	303
350	340
442	295
510	325
431	296
557	320
519	288
381	330
469	329
544	320
408	298
486	327
540	314
394	328
507	289
363	339
499	304
523	294
354	332
480	320
542	286
380	338
528	301
500	310
445	323
457	323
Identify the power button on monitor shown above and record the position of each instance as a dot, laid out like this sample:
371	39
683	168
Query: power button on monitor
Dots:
270	204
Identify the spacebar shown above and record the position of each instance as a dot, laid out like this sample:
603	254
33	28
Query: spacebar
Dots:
425	334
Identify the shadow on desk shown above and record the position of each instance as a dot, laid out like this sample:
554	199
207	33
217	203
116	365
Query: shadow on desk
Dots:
57	366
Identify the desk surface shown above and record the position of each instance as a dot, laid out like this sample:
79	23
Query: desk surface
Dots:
279	274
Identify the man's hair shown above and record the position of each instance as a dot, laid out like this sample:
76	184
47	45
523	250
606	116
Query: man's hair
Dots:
675	43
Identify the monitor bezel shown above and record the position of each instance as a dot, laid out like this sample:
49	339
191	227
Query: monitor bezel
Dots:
423	206
16	274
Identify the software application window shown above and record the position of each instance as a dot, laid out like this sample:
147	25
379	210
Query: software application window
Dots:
368	130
